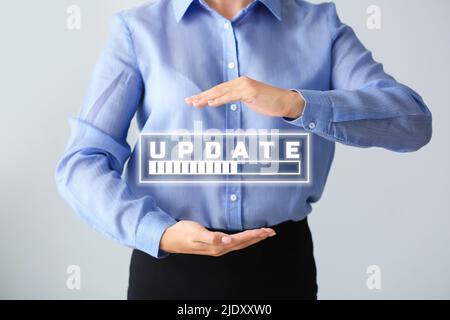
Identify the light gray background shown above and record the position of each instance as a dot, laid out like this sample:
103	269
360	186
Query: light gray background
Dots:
380	208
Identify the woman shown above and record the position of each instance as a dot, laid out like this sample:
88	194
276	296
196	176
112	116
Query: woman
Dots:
287	65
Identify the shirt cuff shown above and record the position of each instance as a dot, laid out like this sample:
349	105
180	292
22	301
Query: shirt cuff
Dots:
150	230
317	114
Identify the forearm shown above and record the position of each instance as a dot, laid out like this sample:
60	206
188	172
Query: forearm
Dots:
392	117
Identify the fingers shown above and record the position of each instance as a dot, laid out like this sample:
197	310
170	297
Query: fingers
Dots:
246	244
218	243
221	100
190	237
214	96
252	234
262	98
219	95
214	238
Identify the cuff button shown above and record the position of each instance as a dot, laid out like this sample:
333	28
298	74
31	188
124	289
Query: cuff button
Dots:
312	125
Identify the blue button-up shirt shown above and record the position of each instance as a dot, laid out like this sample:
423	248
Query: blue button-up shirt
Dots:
160	53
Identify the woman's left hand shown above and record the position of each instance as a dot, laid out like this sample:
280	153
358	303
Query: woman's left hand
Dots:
265	99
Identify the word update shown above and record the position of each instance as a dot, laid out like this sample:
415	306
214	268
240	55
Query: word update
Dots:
224	157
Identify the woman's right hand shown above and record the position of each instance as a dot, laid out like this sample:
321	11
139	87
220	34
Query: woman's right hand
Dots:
190	237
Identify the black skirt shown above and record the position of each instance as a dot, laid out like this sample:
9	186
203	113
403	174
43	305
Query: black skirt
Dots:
280	267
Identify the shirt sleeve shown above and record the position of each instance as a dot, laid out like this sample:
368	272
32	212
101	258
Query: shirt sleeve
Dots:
89	174
365	107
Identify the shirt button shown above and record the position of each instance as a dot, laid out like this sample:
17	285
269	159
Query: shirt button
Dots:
233	107
312	125
233	197
226	25
231	65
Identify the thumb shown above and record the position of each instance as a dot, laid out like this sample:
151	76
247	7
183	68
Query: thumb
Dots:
214	238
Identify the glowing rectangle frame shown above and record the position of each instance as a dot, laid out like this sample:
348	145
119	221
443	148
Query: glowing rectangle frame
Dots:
169	134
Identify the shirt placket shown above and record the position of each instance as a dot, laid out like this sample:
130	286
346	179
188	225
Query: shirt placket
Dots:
233	191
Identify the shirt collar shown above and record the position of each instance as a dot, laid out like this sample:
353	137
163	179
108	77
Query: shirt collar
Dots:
181	6
274	6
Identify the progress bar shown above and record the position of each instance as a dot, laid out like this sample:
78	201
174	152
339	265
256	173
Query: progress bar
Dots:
283	167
